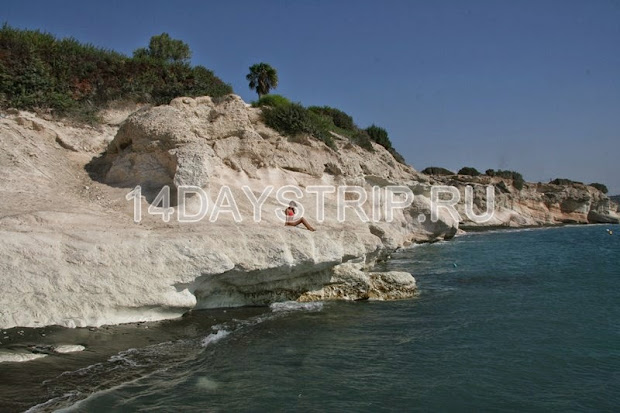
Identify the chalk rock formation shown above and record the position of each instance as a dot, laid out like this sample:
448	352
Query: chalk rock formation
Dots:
71	254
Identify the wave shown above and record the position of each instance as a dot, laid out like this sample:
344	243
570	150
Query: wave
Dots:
54	403
75	388
288	306
215	337
70	388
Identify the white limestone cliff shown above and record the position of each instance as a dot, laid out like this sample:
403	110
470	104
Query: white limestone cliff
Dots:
70	253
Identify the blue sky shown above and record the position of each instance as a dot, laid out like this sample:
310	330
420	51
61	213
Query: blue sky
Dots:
532	86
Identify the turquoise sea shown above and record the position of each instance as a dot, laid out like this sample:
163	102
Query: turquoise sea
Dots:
515	321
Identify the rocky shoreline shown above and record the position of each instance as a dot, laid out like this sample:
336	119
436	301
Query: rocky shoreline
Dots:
72	255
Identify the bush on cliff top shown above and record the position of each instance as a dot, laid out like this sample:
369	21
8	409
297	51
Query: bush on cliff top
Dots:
293	119
271	101
436	170
517	178
320	121
66	77
338	117
564	181
468	170
600	187
380	135
362	139
165	48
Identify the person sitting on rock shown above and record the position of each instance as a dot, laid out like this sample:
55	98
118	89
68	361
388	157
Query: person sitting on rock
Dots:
290	217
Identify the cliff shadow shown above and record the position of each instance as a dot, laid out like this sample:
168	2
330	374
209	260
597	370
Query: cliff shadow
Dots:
99	166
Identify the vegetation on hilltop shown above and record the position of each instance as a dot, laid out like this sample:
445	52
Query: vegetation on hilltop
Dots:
600	187
564	181
165	48
338	117
293	119
321	121
437	170
468	170
271	101
66	77
517	178
380	135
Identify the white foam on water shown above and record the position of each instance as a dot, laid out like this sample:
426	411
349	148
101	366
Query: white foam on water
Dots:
18	357
68	348
42	407
214	337
124	357
288	306
82	372
205	383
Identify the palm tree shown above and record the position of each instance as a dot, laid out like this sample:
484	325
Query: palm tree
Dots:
262	77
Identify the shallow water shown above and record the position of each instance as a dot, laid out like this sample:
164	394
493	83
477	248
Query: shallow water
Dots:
113	355
504	321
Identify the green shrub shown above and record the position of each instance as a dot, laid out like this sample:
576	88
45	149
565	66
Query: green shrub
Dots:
517	178
564	181
321	122
38	71
467	170
436	170
362	139
518	183
271	100
379	135
163	47
289	119
338	117
294	119
600	187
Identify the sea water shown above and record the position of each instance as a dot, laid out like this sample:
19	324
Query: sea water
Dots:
504	321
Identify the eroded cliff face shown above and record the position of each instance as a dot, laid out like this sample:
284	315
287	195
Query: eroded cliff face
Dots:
70	253
211	144
194	141
535	204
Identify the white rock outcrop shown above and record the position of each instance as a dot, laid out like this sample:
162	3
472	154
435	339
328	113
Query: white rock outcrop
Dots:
70	253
